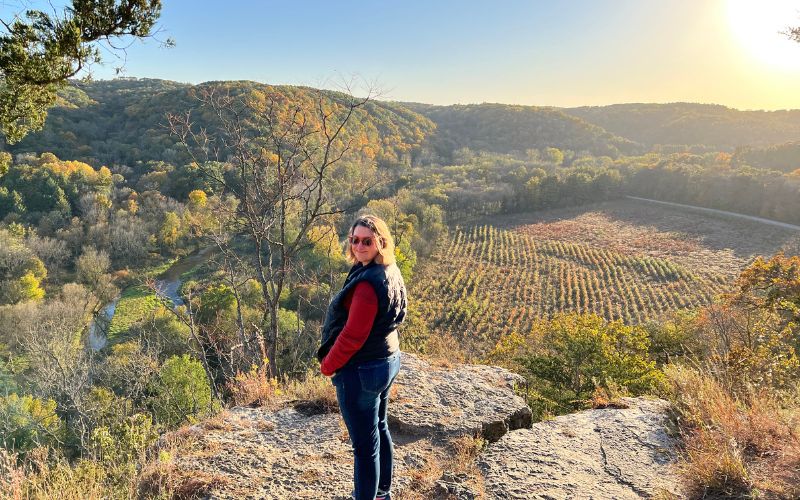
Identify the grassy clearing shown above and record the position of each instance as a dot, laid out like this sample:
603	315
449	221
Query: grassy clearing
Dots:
453	462
312	393
135	304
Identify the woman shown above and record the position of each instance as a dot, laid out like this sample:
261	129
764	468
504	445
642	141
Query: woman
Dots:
361	349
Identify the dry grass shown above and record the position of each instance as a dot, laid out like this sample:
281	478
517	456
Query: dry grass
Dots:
465	451
264	426
422	481
185	438
11	477
218	422
254	388
607	398
444	351
735	448
164	479
457	459
161	477
314	393
60	479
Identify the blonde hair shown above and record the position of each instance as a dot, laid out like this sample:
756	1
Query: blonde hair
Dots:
383	239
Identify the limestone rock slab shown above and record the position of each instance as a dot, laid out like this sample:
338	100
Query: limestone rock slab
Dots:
457	400
262	454
594	454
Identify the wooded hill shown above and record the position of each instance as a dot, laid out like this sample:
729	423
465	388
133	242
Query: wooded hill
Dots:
504	128
121	122
717	127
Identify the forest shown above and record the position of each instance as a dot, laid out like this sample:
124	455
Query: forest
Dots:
167	250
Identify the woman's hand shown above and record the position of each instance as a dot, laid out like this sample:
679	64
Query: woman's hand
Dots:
325	369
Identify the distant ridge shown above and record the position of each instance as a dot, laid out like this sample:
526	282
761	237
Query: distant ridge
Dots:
113	122
711	125
504	128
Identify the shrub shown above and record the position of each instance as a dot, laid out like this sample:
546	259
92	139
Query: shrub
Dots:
121	444
181	391
218	300
86	479
254	387
164	333
128	369
567	357
27	422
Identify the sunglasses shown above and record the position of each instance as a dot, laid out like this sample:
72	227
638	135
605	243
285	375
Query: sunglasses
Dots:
355	240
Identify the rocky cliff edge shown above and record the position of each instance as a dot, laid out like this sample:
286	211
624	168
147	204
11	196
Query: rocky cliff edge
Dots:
460	432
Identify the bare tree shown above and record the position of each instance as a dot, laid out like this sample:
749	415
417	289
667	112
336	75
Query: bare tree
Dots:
278	153
61	367
793	33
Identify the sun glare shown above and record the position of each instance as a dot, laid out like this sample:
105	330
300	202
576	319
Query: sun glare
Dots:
758	25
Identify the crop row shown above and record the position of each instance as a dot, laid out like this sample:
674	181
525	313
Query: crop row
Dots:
486	281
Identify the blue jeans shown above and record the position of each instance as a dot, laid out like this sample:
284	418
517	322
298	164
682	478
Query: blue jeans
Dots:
363	394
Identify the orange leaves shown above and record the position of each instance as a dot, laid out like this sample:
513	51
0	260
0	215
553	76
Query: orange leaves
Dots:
772	284
71	169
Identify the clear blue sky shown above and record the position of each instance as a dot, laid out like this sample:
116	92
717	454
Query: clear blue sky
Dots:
558	52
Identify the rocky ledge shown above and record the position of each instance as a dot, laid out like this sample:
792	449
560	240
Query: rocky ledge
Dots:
608	453
300	452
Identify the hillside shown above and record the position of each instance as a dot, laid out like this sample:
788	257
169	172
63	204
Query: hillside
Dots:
783	157
123	121
504	128
714	126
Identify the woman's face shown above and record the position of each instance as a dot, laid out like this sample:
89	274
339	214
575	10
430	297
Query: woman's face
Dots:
364	253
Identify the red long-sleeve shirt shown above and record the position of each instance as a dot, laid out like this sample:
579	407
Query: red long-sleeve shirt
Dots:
362	304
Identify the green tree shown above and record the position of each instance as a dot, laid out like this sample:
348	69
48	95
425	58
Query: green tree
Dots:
28	288
170	230
40	51
27	422
567	357
181	391
554	155
215	302
91	269
772	284
21	272
5	163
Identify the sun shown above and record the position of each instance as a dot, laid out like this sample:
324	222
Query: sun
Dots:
757	25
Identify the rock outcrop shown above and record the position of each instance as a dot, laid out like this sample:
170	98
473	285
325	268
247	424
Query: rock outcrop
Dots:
457	401
607	453
300	452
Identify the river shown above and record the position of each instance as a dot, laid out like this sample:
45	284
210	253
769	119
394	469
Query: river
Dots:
168	284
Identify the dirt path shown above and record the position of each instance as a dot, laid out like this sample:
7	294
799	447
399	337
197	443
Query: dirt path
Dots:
721	212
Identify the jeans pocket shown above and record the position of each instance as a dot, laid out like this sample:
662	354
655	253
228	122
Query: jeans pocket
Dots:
375	377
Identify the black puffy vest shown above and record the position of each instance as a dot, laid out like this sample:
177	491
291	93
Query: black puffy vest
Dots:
391	292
